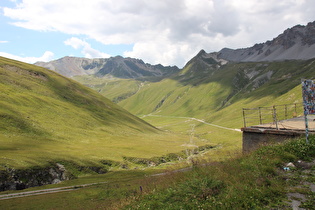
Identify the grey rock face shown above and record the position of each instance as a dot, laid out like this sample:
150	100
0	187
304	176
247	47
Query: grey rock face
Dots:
18	179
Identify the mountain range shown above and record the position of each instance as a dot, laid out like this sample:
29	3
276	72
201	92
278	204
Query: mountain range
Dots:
114	66
296	43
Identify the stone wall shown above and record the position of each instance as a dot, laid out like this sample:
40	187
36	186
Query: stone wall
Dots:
18	179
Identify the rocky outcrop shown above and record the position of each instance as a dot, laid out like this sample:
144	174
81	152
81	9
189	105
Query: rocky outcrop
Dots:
18	179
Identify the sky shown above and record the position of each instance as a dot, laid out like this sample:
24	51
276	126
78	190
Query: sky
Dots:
167	32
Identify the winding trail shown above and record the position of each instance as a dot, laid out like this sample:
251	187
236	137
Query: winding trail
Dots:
195	119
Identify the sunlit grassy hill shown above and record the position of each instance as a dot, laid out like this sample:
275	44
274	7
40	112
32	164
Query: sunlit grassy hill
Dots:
47	117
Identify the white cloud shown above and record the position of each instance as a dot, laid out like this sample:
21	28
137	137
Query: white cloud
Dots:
3	42
164	31
87	50
47	56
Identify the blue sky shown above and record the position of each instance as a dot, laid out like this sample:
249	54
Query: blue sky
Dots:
164	31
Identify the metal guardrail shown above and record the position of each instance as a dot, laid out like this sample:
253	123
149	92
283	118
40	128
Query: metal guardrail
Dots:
273	114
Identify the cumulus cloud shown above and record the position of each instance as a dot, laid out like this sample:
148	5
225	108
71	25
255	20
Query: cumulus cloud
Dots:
87	50
164	31
47	56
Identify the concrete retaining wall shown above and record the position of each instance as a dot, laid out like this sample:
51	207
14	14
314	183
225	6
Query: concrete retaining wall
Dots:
253	137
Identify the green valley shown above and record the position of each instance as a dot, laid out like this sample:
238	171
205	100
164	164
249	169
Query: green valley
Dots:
210	92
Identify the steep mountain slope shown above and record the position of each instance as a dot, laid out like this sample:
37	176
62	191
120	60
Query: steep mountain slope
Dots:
220	95
296	43
46	117
115	66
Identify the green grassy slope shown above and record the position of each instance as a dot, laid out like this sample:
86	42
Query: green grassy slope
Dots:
115	89
46	117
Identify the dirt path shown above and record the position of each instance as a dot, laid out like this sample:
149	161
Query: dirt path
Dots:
46	191
195	119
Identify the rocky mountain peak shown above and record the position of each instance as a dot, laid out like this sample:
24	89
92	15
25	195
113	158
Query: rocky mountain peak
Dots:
201	52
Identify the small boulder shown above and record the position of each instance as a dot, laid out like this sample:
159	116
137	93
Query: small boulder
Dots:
290	165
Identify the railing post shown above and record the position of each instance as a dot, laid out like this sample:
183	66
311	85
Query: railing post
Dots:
264	114
260	119
275	117
244	118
